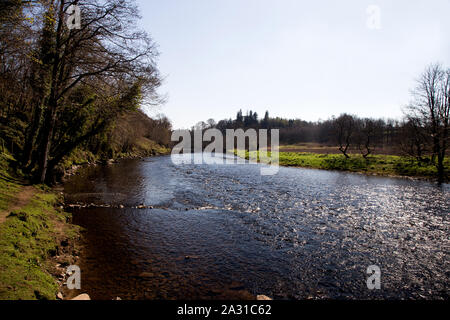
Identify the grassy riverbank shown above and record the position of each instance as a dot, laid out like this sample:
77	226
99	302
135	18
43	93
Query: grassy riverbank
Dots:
36	239
386	165
142	148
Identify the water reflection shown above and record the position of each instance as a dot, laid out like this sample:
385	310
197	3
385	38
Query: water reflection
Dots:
225	231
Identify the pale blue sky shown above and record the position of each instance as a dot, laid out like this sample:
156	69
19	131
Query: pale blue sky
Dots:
297	59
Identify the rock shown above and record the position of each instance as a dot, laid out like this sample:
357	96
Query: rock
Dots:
59	296
82	297
263	298
117	299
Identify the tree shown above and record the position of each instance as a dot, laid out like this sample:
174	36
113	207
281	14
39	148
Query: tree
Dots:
265	122
344	129
200	126
431	106
366	133
108	56
413	139
211	123
255	118
16	34
239	118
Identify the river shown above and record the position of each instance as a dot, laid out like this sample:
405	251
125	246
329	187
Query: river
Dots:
214	231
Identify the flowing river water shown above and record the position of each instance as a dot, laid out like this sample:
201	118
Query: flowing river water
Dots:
157	230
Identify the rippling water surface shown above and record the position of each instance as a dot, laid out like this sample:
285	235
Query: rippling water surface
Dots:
225	231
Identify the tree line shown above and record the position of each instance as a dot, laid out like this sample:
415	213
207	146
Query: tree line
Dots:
62	87
423	132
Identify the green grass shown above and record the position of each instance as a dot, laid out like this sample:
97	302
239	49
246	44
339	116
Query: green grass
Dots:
79	157
28	239
25	242
376	164
142	147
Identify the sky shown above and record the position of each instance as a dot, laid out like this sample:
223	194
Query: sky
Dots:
297	59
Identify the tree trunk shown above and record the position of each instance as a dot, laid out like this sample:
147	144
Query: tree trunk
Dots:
344	152
48	128
32	134
440	167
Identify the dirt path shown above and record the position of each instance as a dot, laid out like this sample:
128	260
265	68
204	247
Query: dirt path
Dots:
22	198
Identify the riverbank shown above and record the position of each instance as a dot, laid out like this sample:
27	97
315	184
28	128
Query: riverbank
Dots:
80	158
37	240
382	165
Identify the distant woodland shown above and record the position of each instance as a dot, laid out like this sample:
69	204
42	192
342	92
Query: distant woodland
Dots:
422	134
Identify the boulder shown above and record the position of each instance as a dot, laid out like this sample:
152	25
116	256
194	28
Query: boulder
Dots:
82	297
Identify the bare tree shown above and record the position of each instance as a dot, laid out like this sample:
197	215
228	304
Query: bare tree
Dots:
201	126
367	131
413	139
344	127
431	105
211	123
